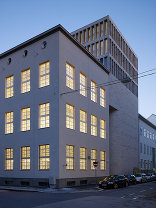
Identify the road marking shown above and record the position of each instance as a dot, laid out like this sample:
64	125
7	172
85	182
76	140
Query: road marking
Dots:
135	198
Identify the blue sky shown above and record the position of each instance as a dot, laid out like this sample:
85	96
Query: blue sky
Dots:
136	19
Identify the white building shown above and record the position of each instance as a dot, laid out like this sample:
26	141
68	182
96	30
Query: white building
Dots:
147	144
59	115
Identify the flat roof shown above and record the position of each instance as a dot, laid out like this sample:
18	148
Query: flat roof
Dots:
147	122
48	33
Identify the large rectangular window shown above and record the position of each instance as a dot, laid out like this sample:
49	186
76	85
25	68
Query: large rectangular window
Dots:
83	158
25	158
101	47
44	157
44	120
106	27
9	125
44	74
83	121
70	157
25	119
102	97
101	29
70	116
25	81
93	158
106	48
97	49
102	160
9	159
9	87
83	84
88	34
97	31
93	125
93	33
70	76
102	128
93	91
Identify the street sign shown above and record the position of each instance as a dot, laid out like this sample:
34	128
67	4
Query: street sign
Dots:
95	164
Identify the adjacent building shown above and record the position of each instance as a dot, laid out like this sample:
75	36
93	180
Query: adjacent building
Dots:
147	144
152	119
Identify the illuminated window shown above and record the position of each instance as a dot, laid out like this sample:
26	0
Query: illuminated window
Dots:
88	34
44	157
69	76
93	33
101	29
9	87
102	160
93	158
44	115
106	49
44	71
25	81
97	49
83	158
102	128
9	126
93	125
25	158
81	37
106	27
102	97
25	119
9	159
93	92
97	31
84	38
89	48
101	47
93	50
70	116
83	84
70	157
83	121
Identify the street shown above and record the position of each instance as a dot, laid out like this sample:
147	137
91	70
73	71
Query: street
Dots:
140	195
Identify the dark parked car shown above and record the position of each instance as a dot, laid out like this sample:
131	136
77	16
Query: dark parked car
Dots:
114	181
131	179
141	177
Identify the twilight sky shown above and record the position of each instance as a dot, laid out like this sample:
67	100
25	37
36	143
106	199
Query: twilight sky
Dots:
136	19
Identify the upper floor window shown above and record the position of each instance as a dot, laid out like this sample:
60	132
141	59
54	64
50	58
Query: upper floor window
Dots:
83	84
9	126
70	116
9	87
25	158
93	158
83	121
93	125
83	158
88	34
44	120
102	160
25	81
9	159
25	119
106	47
102	128
44	157
44	74
70	161
106	27
70	76
101	29
93	33
93	91
102	97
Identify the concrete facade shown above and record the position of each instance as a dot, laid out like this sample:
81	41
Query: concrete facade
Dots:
147	144
152	119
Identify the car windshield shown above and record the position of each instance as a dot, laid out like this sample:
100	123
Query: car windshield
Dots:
112	177
138	175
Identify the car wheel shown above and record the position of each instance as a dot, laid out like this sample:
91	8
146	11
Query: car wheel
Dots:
115	186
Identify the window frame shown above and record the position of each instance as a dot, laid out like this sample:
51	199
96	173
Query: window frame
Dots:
27	82
27	158
102	98
70	117
10	123
103	160
46	115
44	75
70	77
11	87
83	122
71	158
26	119
93	127
83	91
92	159
93	91
44	157
83	159
10	159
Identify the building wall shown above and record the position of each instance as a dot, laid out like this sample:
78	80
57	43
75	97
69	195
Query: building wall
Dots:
82	63
147	146
32	99
123	129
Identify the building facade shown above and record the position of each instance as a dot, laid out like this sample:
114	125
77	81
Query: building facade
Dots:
147	144
59	115
103	39
152	119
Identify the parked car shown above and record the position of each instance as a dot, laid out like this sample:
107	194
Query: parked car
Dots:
141	177
131	179
114	181
150	177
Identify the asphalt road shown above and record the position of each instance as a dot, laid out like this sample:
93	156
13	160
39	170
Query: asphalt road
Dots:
139	196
